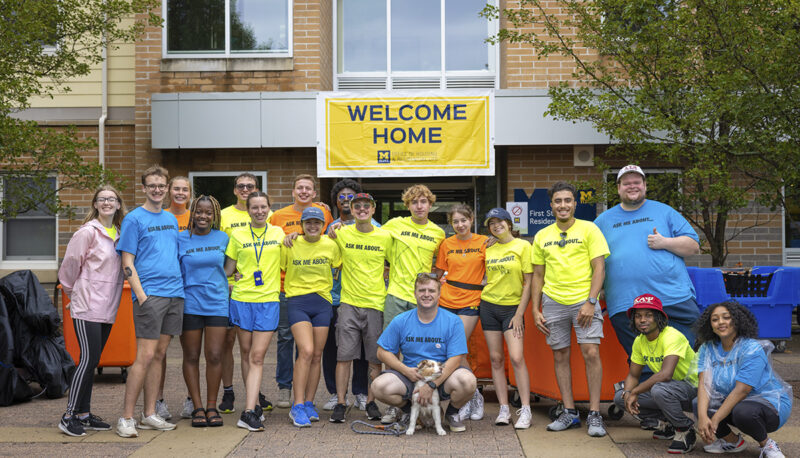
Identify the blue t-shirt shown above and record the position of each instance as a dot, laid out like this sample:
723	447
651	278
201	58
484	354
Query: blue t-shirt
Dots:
633	268
748	364
439	340
336	292
153	239
202	259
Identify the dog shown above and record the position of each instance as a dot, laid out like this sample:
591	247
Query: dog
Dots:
429	370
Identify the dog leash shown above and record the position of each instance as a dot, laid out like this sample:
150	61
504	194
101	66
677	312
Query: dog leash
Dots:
394	429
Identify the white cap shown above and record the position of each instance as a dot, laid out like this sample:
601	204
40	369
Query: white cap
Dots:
629	168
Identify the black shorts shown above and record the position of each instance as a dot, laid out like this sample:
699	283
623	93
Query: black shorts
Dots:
496	317
465	311
194	322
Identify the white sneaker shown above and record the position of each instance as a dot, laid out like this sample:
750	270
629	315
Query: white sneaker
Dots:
524	420
391	415
504	417
284	398
155	422
476	409
331	402
126	427
771	450
163	410
723	446
464	411
188	408
361	401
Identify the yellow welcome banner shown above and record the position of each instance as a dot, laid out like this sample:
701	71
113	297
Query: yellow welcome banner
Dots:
405	133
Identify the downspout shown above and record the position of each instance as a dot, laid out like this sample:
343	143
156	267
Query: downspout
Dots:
101	123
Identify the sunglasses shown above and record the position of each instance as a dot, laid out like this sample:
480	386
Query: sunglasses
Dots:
344	197
563	242
243	186
359	206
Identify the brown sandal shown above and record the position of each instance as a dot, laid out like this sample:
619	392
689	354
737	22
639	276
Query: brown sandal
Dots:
215	419
199	418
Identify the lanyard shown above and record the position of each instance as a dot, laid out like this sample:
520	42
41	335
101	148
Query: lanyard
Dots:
261	249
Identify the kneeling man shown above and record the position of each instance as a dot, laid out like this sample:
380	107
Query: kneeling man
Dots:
425	333
668	393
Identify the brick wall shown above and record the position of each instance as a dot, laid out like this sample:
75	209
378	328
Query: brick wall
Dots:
757	230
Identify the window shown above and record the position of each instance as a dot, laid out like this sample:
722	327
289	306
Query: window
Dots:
228	28
405	44
31	235
220	185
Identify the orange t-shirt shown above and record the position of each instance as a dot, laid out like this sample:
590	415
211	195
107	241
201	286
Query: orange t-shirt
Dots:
464	261
288	219
183	220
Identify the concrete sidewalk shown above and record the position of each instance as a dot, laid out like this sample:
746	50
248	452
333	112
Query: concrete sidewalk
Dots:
30	429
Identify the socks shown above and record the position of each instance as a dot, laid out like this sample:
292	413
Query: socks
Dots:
451	409
406	408
228	388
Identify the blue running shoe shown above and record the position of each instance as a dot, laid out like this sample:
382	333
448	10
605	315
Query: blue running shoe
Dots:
299	417
565	421
311	411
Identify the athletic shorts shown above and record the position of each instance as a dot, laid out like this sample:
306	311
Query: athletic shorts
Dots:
158	316
192	322
561	319
443	395
357	325
255	316
395	306
310	307
464	311
496	317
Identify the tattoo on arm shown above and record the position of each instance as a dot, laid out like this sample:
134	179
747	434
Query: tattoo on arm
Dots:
128	272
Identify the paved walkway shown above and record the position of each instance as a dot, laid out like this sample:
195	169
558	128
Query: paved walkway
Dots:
30	429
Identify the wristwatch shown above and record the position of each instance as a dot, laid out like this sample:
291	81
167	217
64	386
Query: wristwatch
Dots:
592	300
432	385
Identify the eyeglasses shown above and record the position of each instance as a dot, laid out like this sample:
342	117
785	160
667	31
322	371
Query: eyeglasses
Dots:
102	200
243	186
153	187
345	197
563	242
430	275
359	206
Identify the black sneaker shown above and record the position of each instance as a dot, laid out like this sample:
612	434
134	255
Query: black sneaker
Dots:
94	423
259	412
71	426
338	414
664	431
683	442
262	401
249	421
373	412
226	406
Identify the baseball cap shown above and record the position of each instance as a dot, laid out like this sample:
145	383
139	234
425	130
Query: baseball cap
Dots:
312	213
499	213
629	168
363	196
647	301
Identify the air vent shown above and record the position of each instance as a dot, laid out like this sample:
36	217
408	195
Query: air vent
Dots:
461	82
346	83
792	259
416	83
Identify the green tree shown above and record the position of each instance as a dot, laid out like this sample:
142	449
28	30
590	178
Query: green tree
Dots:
42	45
710	86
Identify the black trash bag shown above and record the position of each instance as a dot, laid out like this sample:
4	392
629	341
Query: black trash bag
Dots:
13	387
27	299
48	362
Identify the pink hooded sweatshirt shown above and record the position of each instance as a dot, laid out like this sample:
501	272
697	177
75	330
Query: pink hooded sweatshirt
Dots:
91	274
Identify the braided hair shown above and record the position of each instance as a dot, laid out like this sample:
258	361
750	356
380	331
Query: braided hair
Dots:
214	206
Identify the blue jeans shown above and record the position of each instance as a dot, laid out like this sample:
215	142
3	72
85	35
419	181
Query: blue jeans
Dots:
285	367
681	317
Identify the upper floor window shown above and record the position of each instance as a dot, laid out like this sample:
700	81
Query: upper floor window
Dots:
414	44
31	234
228	28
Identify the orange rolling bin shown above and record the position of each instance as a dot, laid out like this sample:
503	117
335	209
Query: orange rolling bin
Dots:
120	350
478	356
539	359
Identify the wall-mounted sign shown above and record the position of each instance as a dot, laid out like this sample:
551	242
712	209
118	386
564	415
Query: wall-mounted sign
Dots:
405	133
539	213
